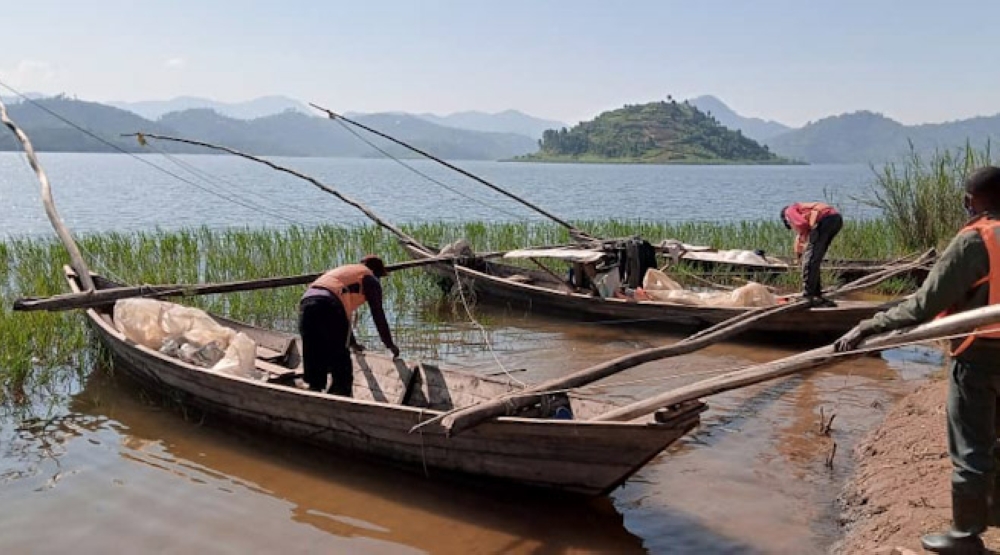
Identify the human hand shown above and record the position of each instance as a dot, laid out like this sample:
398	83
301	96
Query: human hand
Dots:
849	341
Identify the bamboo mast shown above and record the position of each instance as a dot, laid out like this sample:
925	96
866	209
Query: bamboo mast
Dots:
76	259
572	229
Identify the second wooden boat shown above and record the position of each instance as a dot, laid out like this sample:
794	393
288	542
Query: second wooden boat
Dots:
543	292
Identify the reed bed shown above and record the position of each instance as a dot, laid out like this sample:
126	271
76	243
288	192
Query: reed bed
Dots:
45	349
921	197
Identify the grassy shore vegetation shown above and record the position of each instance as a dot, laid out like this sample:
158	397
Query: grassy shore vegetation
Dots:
921	197
44	349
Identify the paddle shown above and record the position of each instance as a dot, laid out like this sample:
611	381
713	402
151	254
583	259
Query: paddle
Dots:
956	324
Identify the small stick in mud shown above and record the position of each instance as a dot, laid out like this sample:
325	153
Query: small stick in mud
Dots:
826	426
829	457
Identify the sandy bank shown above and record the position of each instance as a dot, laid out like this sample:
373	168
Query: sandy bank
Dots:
901	486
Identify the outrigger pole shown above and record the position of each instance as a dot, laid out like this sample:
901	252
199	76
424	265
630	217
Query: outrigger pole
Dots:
573	230
76	259
464	418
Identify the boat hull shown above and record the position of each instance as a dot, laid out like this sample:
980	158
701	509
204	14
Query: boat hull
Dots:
488	280
577	456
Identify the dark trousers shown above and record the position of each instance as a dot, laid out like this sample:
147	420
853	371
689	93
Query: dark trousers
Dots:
973	389
819	241
325	330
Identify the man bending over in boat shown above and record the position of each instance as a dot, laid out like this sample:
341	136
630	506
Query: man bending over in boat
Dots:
815	225
326	312
967	276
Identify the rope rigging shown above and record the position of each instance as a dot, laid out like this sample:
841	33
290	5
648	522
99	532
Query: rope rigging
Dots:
142	137
427	177
117	148
573	230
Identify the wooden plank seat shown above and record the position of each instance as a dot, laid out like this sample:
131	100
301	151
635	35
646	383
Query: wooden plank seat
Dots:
277	372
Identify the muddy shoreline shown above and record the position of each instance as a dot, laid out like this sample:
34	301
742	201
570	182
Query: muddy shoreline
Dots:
901	487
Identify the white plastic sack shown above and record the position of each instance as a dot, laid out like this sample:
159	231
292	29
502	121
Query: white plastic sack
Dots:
139	320
655	280
659	287
679	296
195	326
178	320
743	257
240	357
752	295
186	333
608	283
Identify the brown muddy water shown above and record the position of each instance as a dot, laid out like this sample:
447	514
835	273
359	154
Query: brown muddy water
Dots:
112	470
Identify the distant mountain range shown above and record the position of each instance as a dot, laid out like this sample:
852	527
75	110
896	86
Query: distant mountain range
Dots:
508	121
860	137
867	137
251	109
285	126
756	128
288	133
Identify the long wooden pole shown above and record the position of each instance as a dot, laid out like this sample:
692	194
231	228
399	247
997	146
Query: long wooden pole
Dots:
71	301
323	187
464	418
76	259
573	229
961	323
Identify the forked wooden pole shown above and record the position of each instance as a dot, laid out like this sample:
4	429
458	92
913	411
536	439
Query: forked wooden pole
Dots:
76	259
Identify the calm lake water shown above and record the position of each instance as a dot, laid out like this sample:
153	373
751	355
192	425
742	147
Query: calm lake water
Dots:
98	192
103	468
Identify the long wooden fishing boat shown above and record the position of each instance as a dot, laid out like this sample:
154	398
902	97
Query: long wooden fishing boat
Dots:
391	397
541	291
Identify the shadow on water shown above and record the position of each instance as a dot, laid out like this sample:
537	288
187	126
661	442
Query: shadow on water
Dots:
340	496
112	459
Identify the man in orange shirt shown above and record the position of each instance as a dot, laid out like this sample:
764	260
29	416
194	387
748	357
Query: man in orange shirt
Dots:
815	225
325	315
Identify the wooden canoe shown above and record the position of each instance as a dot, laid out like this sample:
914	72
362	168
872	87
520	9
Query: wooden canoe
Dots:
540	291
390	397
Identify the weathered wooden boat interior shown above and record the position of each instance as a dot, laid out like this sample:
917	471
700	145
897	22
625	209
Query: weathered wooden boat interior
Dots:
381	379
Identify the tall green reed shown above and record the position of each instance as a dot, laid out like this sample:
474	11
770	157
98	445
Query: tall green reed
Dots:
40	348
921	197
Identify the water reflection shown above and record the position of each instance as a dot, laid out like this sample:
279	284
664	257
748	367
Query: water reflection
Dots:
751	479
177	473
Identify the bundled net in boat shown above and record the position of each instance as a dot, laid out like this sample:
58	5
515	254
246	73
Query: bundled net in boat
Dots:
658	286
186	333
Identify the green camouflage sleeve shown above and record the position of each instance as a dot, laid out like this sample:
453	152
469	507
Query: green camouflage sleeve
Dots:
962	264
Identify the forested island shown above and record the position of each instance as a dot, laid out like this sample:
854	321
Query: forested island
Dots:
666	132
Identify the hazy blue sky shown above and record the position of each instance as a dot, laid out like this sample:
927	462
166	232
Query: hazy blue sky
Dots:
794	61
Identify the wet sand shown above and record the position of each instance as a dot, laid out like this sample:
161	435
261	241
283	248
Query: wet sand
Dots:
113	470
902	487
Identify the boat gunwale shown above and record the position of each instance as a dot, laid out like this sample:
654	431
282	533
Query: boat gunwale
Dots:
108	330
861	306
